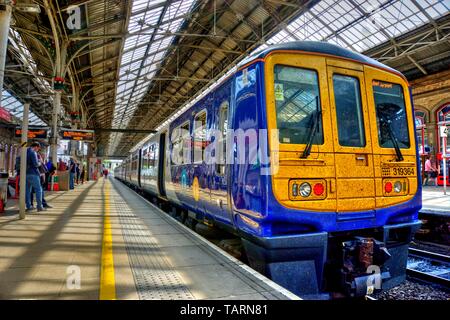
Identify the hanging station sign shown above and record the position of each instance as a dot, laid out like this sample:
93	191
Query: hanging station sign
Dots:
33	133
5	115
77	135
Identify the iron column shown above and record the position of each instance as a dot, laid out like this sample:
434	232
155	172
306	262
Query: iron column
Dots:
5	20
23	160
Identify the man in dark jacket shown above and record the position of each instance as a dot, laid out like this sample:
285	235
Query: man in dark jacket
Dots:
33	180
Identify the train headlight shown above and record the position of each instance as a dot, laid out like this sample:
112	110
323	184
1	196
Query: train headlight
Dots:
305	189
397	187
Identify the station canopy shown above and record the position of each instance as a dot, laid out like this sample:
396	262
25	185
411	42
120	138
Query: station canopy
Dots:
137	64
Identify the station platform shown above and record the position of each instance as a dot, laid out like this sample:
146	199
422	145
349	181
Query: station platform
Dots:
103	241
435	201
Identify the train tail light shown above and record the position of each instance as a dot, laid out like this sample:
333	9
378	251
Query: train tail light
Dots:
388	187
318	189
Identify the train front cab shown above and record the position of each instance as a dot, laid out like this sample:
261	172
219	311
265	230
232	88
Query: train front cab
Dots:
350	206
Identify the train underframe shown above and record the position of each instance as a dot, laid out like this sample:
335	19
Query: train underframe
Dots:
317	265
325	265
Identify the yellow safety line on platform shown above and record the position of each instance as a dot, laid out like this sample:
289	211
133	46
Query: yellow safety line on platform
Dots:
107	279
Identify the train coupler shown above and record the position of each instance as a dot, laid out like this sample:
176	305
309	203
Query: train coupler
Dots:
362	260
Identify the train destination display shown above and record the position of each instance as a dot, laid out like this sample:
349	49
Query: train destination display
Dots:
78	135
33	133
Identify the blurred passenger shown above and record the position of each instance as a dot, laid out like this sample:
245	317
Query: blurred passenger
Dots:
33	177
72	171
44	176
430	171
83	172
77	171
61	165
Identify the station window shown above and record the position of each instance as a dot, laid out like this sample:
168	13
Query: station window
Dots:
297	103
443	116
421	131
199	136
391	114
349	113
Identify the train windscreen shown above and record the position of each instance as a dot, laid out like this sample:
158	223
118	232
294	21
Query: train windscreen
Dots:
391	115
297	105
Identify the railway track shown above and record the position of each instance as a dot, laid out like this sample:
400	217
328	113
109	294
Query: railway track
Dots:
429	267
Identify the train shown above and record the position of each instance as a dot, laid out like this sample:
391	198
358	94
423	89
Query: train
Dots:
307	153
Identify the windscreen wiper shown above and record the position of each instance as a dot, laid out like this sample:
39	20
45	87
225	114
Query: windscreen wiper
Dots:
393	139
313	130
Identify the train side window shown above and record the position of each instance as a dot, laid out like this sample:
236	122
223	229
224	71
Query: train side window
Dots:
223	126
181	143
152	159
199	136
349	113
144	160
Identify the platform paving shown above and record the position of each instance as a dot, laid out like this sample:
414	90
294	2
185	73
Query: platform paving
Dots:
435	201
155	257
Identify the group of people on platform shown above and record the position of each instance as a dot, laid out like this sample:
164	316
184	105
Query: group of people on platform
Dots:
38	174
76	170
432	169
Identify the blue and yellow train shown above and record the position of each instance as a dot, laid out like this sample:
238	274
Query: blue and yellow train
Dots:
321	175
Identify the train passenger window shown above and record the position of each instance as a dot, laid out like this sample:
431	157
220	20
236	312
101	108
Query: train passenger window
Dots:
349	113
391	115
297	105
223	126
145	160
152	161
199	137
181	144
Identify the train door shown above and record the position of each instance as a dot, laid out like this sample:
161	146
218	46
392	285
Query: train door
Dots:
218	185
139	167
161	164
355	184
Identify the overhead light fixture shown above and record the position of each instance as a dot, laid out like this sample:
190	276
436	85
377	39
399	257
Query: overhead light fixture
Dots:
28	7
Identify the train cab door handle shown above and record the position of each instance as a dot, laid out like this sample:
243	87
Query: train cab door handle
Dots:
361	159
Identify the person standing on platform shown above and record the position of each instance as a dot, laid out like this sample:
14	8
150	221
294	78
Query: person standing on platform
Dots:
33	178
82	173
430	171
72	171
61	165
77	169
105	173
50	172
44	176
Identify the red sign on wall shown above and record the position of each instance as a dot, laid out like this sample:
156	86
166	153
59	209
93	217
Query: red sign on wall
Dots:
5	115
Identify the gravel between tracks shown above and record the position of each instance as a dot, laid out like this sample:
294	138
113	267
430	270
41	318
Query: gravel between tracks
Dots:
410	290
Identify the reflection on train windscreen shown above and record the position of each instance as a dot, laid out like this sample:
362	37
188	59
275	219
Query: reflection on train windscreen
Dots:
297	104
391	115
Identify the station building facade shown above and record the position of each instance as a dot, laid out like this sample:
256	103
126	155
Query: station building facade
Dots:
431	95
